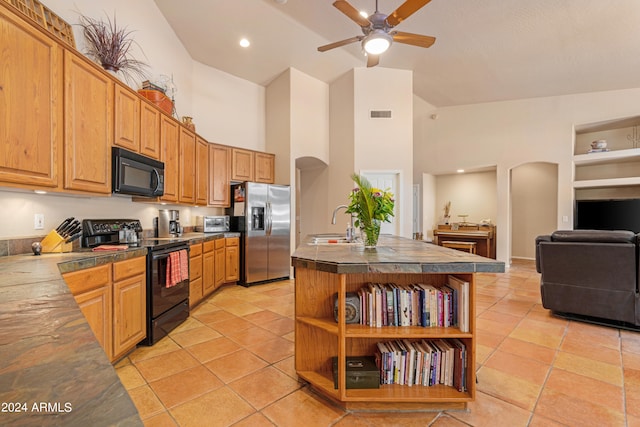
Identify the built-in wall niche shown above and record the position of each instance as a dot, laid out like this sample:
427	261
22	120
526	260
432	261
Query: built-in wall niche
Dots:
612	173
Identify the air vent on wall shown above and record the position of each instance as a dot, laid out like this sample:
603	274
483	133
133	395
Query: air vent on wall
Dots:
380	114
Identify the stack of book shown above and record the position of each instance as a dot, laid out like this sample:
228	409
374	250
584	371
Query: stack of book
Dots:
147	85
416	304
423	363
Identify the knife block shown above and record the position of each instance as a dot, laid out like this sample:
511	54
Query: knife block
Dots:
53	242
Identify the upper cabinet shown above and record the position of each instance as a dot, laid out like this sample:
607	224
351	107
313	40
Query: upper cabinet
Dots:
242	164
187	192
202	171
169	154
88	124
247	165
265	167
219	173
149	130
126	118
30	105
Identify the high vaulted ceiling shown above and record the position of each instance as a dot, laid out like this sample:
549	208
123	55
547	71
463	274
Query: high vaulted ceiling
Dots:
489	50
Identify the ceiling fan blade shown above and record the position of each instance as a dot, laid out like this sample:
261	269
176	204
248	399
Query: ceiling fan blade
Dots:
340	43
372	60
405	10
353	14
413	39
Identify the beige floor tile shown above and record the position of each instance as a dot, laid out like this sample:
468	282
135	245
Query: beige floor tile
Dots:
212	349
280	327
540	421
162	420
166	364
302	407
586	389
130	377
195	336
262	316
529	350
231	326
184	386
254	335
243	309
218	408
264	387
146	402
287	366
444	420
215	316
164	346
254	420
606	372
235	365
190	323
567	409
522	367
508	388
274	350
487	411
414	419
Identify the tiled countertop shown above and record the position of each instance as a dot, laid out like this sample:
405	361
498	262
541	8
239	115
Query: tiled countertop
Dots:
392	255
52	369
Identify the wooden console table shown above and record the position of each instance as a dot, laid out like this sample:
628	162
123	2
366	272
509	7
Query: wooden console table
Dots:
483	235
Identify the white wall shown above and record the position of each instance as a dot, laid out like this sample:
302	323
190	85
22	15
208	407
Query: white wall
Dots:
511	133
472	194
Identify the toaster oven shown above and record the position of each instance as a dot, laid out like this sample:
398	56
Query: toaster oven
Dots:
212	224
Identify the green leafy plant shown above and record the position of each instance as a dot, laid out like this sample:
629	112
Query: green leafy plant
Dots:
369	203
111	47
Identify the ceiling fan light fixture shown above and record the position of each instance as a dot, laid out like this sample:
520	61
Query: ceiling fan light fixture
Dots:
377	42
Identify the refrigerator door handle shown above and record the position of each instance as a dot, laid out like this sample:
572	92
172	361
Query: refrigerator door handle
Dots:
269	219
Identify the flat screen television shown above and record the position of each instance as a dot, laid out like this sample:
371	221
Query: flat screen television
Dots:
608	215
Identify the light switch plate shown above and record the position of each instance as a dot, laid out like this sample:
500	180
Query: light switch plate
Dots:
38	221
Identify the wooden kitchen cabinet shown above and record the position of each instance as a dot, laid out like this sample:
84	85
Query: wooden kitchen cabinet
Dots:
187	166
126	118
88	119
220	261
232	259
202	171
31	116
219	175
208	267
195	274
169	154
91	289
113	298
149	130
265	167
129	304
242	164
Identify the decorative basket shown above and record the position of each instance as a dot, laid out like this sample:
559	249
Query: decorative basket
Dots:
45	18
158	98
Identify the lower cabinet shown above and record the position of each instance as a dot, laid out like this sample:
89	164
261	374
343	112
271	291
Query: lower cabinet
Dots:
113	298
208	267
195	274
232	259
219	271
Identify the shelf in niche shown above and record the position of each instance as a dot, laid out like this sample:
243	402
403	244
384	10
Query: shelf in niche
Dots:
630	154
612	182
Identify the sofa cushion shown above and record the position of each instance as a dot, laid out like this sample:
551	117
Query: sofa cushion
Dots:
595	236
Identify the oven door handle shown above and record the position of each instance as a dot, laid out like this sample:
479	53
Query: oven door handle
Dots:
164	253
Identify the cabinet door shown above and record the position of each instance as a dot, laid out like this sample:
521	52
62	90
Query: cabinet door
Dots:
129	313
169	154
208	268
91	289
219	268
149	130
187	184
127	118
195	274
88	118
30	105
232	260
265	167
242	165
202	171
220	173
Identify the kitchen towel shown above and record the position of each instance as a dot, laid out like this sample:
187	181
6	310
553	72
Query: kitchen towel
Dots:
177	267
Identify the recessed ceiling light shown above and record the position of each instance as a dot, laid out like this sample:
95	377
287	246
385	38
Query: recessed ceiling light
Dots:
460	171
245	43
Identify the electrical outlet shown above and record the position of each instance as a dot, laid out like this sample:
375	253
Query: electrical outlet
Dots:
38	221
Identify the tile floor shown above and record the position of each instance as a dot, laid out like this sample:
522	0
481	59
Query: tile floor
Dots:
231	363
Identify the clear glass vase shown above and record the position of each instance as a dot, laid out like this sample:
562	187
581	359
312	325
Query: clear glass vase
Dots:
370	233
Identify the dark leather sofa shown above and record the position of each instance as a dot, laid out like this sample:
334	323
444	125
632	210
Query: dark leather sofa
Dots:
591	275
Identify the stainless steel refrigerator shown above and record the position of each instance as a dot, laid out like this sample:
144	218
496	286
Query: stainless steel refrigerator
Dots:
262	214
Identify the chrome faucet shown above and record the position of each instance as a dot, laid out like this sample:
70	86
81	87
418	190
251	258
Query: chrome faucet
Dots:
351	229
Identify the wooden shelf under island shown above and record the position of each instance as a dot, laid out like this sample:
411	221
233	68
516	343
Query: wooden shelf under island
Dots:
322	270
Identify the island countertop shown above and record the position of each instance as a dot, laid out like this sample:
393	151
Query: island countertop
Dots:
392	255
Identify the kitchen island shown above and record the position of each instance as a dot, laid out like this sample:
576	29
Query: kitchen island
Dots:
323	270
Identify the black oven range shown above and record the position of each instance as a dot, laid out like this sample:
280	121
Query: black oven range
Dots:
167	271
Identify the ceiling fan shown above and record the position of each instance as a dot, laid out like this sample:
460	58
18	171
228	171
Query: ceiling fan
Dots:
377	29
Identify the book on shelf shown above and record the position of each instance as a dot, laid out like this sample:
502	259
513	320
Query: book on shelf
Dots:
461	289
423	363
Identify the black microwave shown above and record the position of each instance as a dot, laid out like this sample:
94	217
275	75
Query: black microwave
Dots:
136	174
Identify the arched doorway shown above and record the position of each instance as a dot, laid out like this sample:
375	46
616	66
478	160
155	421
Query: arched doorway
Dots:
311	196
